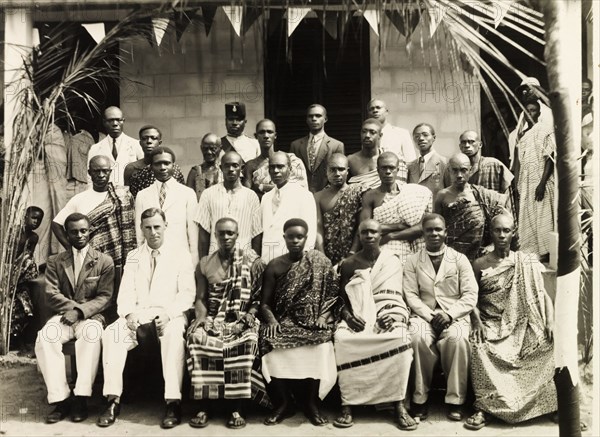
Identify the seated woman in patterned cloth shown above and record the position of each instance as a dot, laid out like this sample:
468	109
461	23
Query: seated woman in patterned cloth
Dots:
512	363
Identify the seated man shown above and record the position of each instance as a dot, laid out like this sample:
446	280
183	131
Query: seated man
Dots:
299	292
372	345
79	285
223	339
441	291
512	363
157	287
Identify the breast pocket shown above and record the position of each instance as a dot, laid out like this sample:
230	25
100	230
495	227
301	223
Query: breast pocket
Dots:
450	283
90	287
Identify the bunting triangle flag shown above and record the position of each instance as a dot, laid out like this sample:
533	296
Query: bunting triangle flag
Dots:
436	15
501	9
294	18
234	13
251	14
96	31
372	17
405	22
329	21
160	27
208	16
182	21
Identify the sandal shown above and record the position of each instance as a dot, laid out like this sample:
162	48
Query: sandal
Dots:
477	421
236	421
278	416
406	422
200	420
344	421
455	413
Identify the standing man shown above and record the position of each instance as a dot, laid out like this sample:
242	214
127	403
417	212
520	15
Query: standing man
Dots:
428	169
235	122
362	165
229	199
300	291
315	149
110	211
441	291
207	174
138	174
395	139
176	200
485	171
119	147
398	208
285	201
79	286
338	207
157	287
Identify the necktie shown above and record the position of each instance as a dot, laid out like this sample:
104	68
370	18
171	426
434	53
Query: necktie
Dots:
162	194
276	199
154	260
421	165
312	153
78	264
114	148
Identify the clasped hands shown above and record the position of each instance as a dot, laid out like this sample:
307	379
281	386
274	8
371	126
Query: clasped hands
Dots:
161	320
440	321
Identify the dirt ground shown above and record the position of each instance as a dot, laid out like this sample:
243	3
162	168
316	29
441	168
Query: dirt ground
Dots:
23	406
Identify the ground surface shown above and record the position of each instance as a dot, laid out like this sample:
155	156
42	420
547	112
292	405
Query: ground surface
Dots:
23	406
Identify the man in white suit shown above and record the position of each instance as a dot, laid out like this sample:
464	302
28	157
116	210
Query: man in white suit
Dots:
441	291
157	287
119	147
176	200
285	201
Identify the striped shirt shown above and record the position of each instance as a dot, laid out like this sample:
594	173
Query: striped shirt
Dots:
241	204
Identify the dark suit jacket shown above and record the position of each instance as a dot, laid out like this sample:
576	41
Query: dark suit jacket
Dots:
94	289
433	174
317	179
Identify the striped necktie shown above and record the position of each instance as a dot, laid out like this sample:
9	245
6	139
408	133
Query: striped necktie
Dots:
162	194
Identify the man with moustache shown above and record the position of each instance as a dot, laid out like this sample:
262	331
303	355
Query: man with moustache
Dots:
176	200
229	199
441	291
119	147
256	171
398	208
286	201
468	210
428	169
235	140
316	148
395	139
138	174
207	174
338	206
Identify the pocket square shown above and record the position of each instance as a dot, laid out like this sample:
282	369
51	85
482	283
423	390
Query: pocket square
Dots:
91	278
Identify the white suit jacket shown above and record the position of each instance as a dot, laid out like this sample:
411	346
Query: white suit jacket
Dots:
128	150
179	207
172	287
453	289
296	202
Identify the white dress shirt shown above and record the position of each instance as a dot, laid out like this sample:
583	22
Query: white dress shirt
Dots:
398	140
247	147
128	150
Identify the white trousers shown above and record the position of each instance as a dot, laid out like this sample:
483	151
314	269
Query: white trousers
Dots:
118	339
48	350
452	347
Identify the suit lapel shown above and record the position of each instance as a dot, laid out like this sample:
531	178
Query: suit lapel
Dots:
171	196
426	265
69	268
322	153
444	266
429	168
304	151
86	267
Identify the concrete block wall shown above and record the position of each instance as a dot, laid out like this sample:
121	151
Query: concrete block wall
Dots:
182	87
416	90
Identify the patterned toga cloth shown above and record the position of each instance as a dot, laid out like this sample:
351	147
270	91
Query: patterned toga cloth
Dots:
203	179
512	371
373	365
369	179
407	207
297	174
223	358
468	223
341	221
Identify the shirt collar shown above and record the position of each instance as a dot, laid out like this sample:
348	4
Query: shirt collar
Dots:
238	187
83	251
318	138
427	157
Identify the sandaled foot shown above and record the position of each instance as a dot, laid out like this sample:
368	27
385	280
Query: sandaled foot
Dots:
454	412
345	420
476	421
200	420
406	422
317	419
278	416
420	411
236	421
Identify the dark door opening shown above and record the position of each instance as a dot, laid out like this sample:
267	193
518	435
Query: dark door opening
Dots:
332	72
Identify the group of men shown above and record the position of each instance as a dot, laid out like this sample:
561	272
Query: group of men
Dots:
253	241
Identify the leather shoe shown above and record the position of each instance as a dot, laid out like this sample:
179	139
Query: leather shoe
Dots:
79	411
172	416
61	410
108	417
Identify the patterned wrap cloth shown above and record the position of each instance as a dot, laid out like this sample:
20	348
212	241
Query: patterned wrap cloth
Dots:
512	371
223	358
